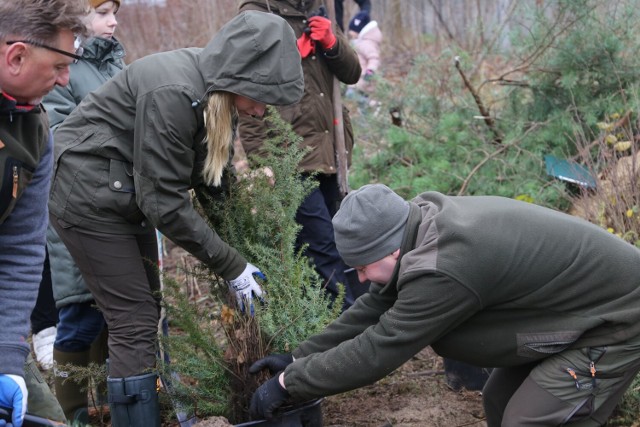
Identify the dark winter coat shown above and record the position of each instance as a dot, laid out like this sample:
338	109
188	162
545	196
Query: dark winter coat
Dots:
126	158
485	280
312	117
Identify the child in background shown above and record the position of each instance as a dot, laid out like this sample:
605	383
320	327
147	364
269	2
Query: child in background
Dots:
366	38
79	339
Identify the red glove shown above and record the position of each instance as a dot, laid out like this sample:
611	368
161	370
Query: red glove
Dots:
321	32
306	46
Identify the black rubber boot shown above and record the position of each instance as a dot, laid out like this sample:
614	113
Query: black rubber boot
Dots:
134	401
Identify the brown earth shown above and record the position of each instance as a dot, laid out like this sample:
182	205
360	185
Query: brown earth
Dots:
414	395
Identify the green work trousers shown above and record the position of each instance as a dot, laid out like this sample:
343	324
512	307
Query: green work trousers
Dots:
561	390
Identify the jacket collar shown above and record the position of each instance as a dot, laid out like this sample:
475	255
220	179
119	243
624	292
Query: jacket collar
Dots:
100	49
8	105
408	242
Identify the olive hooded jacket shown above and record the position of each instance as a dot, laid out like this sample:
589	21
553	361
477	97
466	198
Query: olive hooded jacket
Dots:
126	158
489	281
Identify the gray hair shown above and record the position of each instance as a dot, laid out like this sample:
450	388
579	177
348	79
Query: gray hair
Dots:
41	20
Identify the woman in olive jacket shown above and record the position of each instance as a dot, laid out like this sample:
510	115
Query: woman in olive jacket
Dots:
125	160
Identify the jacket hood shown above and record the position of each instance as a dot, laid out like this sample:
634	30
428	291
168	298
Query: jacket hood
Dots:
254	55
280	6
371	32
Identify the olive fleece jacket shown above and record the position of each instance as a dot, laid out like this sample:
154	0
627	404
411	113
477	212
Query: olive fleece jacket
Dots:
486	280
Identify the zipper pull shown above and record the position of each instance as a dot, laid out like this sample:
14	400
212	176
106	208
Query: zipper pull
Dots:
574	376
592	369
14	193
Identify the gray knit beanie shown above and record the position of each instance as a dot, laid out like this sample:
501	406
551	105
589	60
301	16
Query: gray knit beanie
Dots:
370	224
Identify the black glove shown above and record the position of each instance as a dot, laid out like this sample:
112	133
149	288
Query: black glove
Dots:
275	363
267	398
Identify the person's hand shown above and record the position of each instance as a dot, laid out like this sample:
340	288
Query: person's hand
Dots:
245	287
275	363
321	32
13	395
306	46
267	398
368	75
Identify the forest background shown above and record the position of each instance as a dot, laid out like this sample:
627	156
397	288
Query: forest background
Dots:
480	97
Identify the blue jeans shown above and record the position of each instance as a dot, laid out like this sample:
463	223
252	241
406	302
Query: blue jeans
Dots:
79	325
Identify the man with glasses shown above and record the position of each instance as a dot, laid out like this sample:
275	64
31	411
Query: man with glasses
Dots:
37	45
76	56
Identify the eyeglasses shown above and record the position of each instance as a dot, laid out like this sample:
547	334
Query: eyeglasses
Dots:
361	270
77	55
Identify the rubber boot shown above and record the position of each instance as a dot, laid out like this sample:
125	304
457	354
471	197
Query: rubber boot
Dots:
134	401
99	353
71	393
41	401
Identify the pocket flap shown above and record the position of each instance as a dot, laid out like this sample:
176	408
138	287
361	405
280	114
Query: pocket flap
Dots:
121	176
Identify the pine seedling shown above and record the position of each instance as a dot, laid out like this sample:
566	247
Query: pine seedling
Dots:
257	218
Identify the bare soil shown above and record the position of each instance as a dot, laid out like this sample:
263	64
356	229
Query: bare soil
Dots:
414	395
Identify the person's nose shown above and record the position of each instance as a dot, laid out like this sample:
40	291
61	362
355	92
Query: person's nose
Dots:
113	22
362	277
258	110
62	79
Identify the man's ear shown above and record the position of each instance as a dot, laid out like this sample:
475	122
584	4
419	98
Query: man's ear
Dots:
15	57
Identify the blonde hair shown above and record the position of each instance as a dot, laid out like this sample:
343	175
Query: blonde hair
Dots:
220	119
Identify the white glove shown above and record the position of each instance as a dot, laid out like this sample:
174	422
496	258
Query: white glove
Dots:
245	286
43	346
13	396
